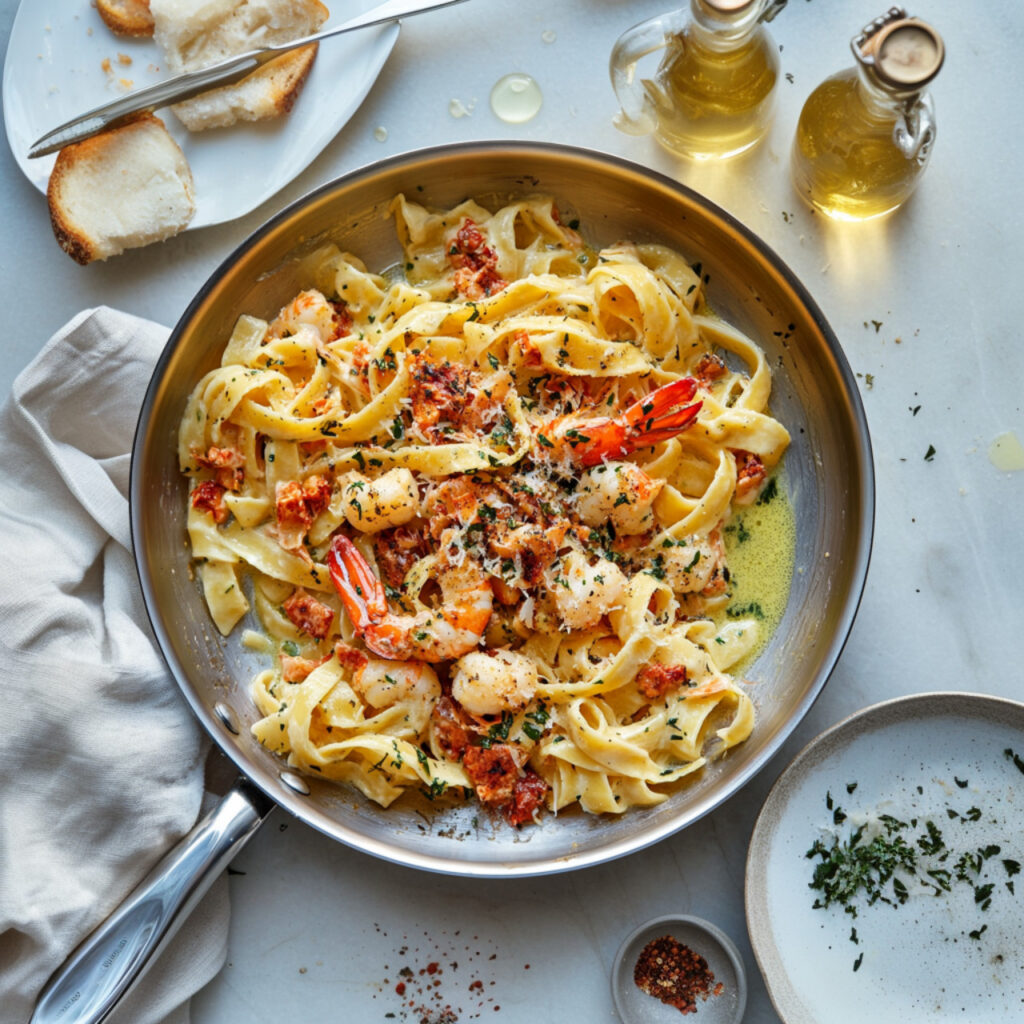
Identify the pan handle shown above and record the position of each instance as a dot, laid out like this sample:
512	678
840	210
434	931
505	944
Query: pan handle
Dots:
94	978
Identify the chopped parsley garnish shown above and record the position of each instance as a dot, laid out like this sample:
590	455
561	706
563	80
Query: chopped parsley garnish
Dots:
885	860
771	490
752	610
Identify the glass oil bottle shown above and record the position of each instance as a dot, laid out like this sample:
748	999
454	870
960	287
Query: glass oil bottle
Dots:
713	93
865	135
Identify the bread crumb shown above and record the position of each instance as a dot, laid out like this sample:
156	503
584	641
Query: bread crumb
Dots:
124	58
106	65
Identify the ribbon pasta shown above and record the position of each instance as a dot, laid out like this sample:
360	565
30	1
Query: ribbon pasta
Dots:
497	435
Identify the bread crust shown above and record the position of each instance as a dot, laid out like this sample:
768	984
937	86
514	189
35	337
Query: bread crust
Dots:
127	17
294	74
268	92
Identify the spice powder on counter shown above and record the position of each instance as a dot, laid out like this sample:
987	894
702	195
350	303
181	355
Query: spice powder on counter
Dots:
675	974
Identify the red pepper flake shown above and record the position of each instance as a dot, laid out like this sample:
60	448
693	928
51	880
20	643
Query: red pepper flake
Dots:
675	974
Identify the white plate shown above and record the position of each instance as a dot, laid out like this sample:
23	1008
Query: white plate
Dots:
916	758
55	71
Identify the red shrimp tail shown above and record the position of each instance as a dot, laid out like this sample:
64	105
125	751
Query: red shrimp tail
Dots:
361	593
664	428
660	401
652	429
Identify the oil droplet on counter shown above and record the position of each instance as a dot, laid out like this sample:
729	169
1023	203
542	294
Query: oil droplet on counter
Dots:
548	36
1006	453
516	98
456	108
380	133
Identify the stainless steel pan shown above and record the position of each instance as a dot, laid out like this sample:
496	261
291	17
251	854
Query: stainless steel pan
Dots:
830	482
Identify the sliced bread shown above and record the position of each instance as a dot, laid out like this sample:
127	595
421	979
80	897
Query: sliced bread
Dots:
195	33
127	17
125	188
269	92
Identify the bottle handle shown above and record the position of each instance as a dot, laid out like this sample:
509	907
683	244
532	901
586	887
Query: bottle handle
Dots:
638	115
770	10
914	131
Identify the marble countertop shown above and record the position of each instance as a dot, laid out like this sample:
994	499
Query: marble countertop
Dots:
928	306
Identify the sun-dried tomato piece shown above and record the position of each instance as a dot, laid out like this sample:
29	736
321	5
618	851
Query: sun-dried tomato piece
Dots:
308	614
527	797
655	680
493	771
209	496
449	729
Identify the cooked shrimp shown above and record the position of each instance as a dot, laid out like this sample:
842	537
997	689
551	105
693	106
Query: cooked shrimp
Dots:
490	682
653	419
583	593
382	684
374	505
620	493
429	635
695	567
311	309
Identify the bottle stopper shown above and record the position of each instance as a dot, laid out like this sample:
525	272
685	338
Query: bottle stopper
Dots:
904	53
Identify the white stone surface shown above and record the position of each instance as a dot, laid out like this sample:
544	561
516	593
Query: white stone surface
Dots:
317	928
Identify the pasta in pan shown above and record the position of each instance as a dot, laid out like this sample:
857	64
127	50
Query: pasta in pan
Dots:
476	506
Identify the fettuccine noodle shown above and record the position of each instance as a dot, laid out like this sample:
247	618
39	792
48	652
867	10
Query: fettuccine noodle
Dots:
477	508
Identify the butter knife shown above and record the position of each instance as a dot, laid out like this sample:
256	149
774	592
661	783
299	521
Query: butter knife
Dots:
226	72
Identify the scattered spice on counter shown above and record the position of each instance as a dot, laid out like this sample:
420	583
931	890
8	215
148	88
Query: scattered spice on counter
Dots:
675	974
441	979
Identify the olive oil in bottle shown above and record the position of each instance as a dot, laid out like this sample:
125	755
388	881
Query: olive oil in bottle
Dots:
865	135
714	90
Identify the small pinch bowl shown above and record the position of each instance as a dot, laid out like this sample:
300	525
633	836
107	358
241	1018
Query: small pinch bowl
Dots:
634	1006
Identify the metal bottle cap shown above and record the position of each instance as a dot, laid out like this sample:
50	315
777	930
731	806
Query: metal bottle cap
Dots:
904	53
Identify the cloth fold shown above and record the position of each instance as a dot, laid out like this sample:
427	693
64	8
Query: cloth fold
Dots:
101	768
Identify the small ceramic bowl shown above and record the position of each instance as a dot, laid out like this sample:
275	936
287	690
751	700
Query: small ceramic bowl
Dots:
635	1006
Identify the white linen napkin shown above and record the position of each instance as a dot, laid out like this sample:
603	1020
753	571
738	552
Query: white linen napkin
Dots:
101	762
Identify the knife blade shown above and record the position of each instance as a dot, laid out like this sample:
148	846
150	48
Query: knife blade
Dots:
227	72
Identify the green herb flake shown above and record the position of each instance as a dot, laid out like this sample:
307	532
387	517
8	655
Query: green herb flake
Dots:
770	491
